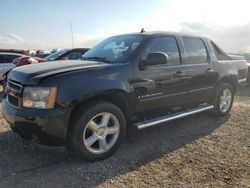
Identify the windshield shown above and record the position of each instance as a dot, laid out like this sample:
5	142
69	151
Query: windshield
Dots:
115	49
55	55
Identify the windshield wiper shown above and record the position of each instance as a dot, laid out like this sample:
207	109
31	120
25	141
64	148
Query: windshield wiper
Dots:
97	59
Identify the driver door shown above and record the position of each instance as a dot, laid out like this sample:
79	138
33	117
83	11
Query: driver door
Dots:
162	85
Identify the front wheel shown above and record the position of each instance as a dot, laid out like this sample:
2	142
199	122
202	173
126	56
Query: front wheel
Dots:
223	100
98	131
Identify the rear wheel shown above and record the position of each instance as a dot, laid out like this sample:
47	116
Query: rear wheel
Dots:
97	132
223	100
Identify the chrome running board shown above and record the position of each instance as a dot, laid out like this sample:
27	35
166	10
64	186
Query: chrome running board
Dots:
163	119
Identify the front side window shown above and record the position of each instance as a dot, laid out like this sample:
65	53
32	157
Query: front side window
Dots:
167	45
74	55
196	50
56	55
115	49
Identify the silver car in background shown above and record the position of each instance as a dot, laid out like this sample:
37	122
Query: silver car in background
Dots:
6	62
246	56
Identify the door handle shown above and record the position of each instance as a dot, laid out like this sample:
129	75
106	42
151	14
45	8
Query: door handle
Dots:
209	70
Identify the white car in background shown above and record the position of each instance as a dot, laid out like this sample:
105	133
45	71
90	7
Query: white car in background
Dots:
6	64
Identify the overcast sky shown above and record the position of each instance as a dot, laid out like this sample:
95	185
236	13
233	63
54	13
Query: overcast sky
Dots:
45	24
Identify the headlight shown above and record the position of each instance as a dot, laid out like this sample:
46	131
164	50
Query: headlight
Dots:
39	97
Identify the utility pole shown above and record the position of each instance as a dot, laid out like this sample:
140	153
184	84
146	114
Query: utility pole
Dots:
72	37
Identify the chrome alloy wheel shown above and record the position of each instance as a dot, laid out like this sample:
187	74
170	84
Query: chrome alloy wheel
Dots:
101	133
226	100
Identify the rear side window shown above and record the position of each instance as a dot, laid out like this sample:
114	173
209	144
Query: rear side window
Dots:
219	53
196	50
10	58
2	58
168	45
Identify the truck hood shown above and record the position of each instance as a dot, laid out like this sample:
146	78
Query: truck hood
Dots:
34	73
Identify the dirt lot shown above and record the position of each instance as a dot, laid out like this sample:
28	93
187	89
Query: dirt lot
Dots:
198	151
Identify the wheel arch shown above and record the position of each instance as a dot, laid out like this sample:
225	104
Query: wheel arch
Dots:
118	98
231	79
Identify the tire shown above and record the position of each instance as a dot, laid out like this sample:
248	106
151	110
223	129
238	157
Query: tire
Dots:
100	123
222	107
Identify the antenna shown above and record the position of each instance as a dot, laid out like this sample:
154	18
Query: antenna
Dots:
72	37
142	30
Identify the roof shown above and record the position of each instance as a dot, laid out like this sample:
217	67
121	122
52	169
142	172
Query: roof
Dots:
152	33
14	51
10	53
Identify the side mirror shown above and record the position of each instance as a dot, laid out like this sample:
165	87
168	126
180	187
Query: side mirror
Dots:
155	58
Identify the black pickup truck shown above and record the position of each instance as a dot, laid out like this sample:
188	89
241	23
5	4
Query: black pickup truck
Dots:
134	80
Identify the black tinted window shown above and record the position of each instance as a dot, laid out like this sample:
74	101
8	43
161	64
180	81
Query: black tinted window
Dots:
10	58
196	50
56	55
166	45
74	55
2	58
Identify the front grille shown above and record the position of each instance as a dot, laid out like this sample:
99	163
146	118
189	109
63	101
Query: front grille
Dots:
14	91
14	86
13	100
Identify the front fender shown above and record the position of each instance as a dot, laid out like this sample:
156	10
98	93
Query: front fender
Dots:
78	86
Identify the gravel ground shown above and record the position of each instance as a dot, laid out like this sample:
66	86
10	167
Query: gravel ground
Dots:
198	151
